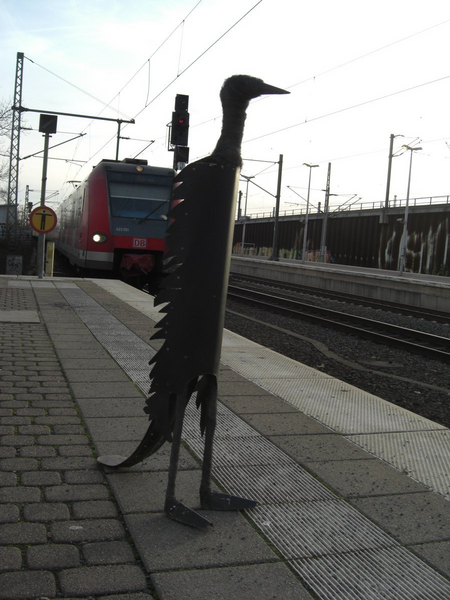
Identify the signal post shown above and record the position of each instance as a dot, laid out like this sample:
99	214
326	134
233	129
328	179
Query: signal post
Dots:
43	219
179	132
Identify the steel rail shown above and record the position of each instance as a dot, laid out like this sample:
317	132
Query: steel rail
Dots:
434	346
371	302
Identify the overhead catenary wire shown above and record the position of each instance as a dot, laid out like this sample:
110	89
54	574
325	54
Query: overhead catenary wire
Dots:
108	104
73	85
380	49
182	72
351	107
199	57
147	62
270	170
333	69
344	64
147	103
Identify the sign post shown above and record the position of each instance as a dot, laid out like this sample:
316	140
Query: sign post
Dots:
47	126
43	220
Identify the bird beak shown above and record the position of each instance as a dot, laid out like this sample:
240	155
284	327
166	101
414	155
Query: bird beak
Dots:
270	89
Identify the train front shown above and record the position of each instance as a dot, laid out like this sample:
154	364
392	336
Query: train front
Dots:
130	224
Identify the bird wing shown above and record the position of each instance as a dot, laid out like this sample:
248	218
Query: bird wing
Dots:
199	241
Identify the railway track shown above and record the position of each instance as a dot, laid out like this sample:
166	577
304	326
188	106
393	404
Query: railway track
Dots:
416	312
421	343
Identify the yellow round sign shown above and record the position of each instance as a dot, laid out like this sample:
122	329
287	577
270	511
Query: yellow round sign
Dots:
43	219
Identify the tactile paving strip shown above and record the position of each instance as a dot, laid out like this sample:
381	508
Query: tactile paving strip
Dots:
272	483
227	423
127	349
240	451
344	408
405	440
256	362
389	574
310	531
418	454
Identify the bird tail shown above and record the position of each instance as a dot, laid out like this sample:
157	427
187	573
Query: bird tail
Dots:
151	442
161	410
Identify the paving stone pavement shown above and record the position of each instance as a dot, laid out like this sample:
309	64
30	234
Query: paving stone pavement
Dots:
61	532
69	529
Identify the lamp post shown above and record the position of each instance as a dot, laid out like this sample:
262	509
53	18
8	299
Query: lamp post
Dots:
305	233
391	156
47	126
247	178
244	218
323	235
405	220
274	255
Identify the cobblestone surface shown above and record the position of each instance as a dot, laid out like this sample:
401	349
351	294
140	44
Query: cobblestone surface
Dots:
61	534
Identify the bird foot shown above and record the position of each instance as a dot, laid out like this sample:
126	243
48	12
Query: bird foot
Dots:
179	512
219	501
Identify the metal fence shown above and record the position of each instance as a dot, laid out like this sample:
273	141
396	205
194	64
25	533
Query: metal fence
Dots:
394	203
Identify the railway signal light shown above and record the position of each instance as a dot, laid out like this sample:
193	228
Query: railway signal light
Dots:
179	132
180	128
181	103
180	157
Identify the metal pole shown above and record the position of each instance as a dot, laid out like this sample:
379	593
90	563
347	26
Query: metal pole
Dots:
65	114
239	205
244	218
244	221
388	184
305	233
405	219
25	208
13	177
118	140
41	236
277	212
246	196
323	235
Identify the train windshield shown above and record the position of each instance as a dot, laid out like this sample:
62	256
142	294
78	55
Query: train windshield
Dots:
139	196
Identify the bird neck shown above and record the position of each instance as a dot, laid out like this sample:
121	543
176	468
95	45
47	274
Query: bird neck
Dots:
228	148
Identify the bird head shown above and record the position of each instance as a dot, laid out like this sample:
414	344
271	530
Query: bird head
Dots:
235	95
244	88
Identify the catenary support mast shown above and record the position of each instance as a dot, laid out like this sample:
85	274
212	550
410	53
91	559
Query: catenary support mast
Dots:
13	179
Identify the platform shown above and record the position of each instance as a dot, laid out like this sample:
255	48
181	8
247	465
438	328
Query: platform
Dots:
353	492
431	292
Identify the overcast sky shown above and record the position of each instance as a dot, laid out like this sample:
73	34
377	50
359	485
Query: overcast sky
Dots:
357	72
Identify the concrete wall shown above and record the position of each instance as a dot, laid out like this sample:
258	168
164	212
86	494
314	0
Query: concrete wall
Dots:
368	238
432	293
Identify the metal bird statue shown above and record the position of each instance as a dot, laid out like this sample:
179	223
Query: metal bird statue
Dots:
199	243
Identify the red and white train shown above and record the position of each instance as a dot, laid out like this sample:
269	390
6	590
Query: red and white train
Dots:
116	220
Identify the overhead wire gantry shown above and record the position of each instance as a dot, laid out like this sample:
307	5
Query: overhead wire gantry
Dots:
17	110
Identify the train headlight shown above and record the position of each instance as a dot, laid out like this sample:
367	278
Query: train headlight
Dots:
99	238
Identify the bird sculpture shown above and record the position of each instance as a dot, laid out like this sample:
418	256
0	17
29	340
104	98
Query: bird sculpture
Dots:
199	241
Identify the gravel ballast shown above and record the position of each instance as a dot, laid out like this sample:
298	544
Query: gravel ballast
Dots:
416	383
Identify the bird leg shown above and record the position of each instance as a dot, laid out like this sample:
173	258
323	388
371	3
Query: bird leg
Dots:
208	498
173	508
